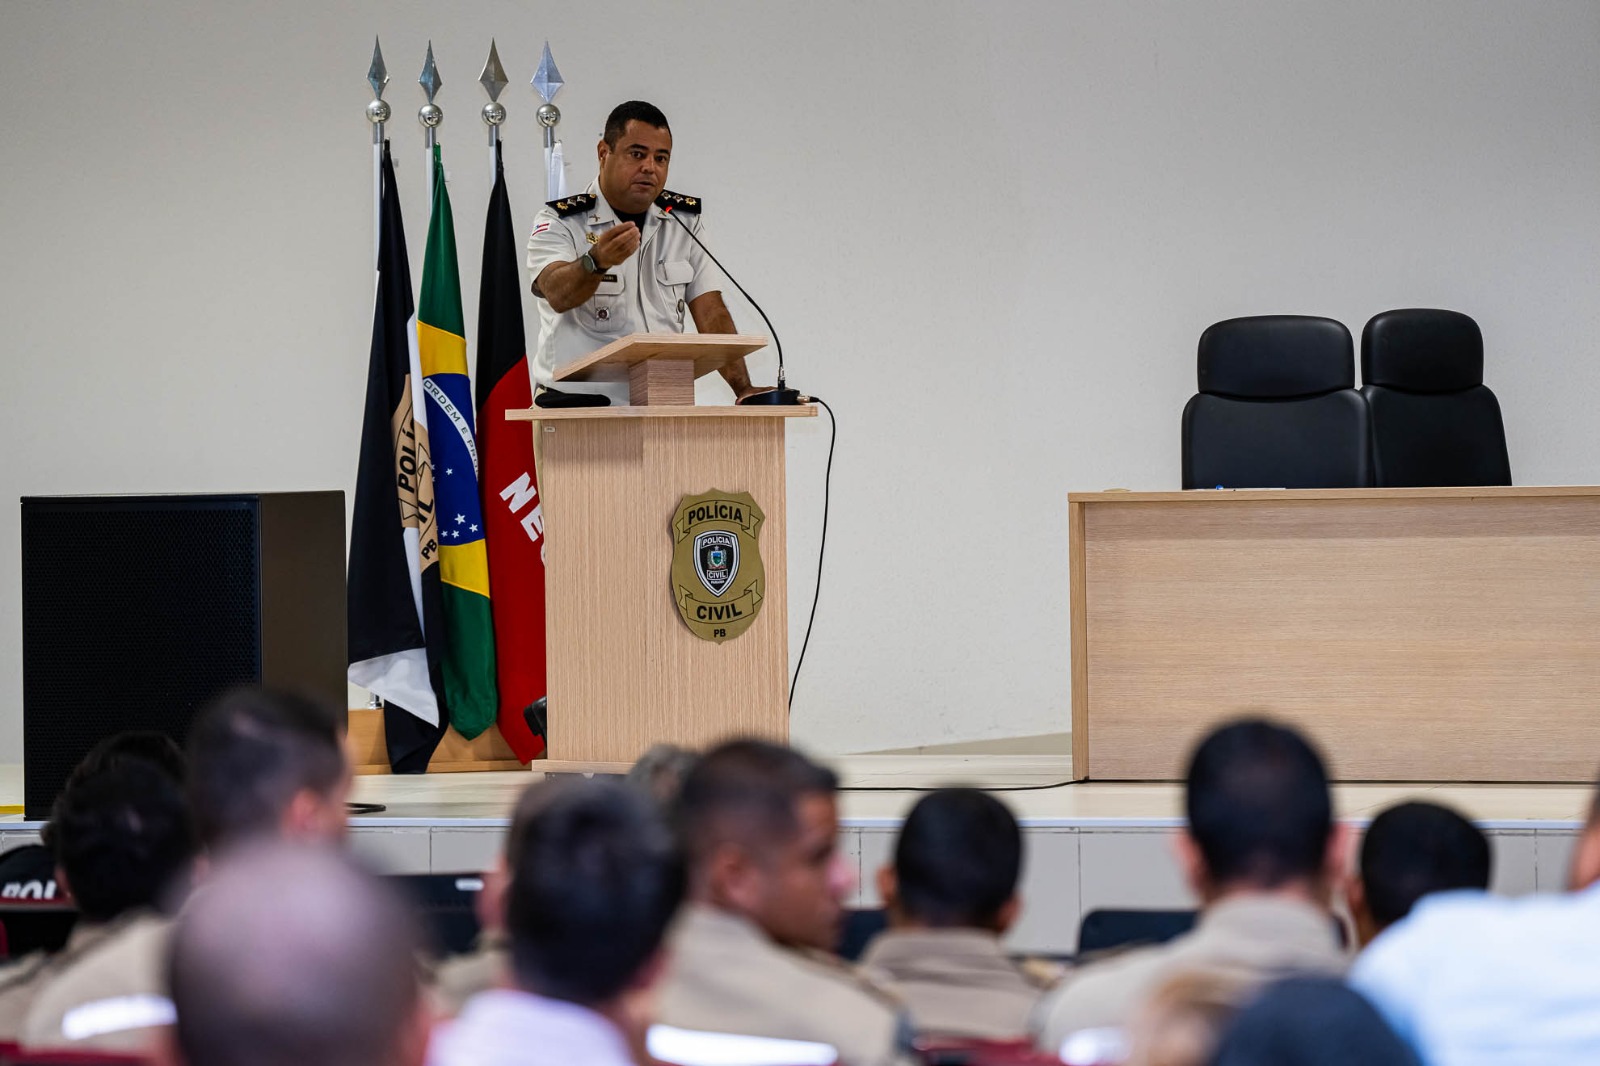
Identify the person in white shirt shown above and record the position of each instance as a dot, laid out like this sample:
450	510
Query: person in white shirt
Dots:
1469	978
595	879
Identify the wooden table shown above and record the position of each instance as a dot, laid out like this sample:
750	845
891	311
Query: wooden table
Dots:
1418	634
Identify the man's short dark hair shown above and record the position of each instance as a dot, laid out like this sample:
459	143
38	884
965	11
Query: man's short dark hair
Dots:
1258	804
158	749
251	753
595	879
632	111
958	858
748	787
1415	849
122	837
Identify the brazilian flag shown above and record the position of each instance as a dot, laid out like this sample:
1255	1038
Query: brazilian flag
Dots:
468	652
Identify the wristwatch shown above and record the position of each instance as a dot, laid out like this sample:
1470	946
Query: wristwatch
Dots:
589	265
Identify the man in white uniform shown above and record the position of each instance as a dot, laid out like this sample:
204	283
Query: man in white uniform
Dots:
609	261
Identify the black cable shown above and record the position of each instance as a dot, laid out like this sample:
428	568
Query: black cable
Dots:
822	546
775	341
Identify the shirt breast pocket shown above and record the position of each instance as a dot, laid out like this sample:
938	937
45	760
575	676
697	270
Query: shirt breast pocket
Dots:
675	274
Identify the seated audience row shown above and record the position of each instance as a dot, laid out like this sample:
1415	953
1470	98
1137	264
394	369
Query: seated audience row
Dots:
689	917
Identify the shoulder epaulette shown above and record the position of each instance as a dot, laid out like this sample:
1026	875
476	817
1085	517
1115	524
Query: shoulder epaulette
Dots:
689	205
573	205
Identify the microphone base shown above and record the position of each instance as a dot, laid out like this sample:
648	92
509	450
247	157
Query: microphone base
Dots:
773	398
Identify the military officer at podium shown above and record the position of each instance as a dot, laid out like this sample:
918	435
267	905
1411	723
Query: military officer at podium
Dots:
609	261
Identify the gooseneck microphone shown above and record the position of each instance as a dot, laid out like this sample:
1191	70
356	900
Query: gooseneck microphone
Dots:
782	396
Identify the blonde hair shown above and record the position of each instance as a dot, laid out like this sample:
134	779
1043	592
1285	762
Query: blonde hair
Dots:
1182	1021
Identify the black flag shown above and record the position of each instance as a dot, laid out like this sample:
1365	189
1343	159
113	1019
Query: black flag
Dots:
395	598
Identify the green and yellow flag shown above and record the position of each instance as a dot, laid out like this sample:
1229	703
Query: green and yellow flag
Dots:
468	653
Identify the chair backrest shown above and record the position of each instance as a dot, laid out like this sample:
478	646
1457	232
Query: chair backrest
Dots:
448	907
974	1052
1433	421
860	925
1102	930
1277	407
30	927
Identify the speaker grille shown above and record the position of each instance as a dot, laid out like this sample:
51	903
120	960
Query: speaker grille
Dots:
135	613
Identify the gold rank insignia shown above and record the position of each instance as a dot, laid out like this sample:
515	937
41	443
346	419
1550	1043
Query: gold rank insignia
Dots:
688	205
572	205
592	238
718	580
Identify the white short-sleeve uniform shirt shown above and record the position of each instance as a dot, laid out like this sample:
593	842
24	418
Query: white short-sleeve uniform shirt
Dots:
649	292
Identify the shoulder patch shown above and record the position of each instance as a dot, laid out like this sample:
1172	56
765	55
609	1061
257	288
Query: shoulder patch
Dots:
689	205
572	205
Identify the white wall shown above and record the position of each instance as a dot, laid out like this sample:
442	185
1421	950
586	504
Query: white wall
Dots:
990	234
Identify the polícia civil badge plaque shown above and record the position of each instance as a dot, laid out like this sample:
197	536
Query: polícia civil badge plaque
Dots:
718	581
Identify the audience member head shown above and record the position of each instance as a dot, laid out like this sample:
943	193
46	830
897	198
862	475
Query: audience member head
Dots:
158	749
1585	868
956	864
121	837
293	956
1181	1022
596	878
263	764
1260	817
760	823
1311	1021
661	770
1410	851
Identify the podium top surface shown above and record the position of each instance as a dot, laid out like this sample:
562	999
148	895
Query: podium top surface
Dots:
1453	492
709	351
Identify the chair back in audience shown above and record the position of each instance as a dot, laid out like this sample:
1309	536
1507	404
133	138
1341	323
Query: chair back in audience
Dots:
11	1055
1433	421
26	927
1103	930
448	906
860	925
1277	407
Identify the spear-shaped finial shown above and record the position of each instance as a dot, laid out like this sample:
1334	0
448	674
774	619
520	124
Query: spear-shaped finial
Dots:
377	74
430	114
547	80
493	79
378	110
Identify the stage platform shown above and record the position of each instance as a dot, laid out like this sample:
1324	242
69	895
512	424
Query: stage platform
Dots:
1089	845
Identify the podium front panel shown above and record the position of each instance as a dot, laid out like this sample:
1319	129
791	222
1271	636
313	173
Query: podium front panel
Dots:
624	670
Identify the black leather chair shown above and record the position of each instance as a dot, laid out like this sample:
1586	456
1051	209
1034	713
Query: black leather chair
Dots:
1277	408
1106	930
1433	421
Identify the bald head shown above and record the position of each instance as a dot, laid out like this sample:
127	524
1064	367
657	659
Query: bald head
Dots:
293	956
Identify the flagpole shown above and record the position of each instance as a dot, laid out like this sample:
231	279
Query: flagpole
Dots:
547	81
493	79
430	115
378	113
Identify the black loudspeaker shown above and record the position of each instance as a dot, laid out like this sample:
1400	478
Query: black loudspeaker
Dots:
138	610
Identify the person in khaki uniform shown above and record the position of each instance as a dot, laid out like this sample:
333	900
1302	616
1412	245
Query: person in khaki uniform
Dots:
121	840
760	824
951	893
262	766
1263	854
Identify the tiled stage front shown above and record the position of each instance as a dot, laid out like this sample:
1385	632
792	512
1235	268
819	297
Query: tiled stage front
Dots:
1088	845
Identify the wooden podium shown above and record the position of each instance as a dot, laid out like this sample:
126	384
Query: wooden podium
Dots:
624	670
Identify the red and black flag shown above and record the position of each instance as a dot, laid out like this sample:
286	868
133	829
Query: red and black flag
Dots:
512	511
394	594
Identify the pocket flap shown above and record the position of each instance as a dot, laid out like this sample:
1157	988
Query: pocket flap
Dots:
675	271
